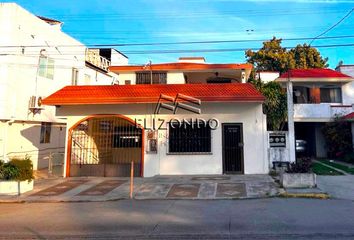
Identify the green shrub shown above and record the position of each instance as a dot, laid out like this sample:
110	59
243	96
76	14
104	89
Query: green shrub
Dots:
349	157
338	138
302	165
1	169
17	169
10	172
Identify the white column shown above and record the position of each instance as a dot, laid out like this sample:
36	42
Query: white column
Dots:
353	134
291	126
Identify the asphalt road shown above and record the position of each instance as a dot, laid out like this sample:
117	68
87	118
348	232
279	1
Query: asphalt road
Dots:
272	218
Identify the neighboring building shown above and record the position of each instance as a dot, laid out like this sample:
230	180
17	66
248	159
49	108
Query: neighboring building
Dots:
111	126
349	70
186	70
319	96
36	59
266	76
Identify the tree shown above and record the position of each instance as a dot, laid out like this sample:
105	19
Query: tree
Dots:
306	56
275	105
273	57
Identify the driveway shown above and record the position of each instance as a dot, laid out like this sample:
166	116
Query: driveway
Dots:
340	187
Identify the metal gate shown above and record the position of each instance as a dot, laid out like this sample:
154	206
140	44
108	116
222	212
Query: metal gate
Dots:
232	145
105	146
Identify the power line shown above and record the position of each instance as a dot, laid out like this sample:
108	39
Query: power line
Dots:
225	50
164	51
176	43
188	31
335	25
210	14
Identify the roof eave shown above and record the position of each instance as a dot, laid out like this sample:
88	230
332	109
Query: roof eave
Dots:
312	79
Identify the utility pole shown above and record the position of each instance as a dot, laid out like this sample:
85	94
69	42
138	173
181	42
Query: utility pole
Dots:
291	127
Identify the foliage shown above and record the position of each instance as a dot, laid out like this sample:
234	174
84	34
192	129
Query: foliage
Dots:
17	169
305	57
349	157
302	165
275	105
338	138
273	57
8	171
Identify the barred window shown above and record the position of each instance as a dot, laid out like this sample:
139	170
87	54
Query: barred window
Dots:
126	137
145	78
189	138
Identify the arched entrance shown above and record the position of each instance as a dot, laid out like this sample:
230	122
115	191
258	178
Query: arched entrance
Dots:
105	146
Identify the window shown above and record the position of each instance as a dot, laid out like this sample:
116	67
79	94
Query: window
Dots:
45	132
126	137
301	95
145	78
74	76
331	95
46	67
189	138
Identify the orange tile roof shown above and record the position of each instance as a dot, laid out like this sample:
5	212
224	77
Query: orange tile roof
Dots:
122	94
179	66
313	73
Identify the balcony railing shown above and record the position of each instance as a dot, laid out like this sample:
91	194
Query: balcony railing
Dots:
320	112
93	57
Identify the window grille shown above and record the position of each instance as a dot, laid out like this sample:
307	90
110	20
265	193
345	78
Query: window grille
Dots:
189	138
145	78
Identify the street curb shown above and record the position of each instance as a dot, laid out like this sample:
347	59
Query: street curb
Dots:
304	195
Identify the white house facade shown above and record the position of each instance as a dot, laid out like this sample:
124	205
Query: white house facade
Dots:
36	59
186	70
348	69
111	126
319	96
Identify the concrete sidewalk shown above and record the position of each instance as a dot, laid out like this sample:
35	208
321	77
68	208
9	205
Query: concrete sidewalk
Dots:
91	189
339	187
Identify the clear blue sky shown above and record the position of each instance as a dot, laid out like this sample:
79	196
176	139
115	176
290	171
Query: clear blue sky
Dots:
145	21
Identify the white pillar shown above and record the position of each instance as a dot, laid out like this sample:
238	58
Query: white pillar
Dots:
291	126
353	134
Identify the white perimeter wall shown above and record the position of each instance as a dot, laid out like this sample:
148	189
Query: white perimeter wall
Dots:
249	114
26	141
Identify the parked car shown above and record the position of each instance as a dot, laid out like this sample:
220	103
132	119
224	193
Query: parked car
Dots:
301	146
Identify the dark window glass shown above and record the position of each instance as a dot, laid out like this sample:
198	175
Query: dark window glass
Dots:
145	78
331	95
46	129
186	138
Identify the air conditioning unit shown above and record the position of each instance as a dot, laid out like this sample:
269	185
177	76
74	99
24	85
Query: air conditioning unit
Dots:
35	102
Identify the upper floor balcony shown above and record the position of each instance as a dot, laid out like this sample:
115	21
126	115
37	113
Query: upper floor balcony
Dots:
93	57
320	112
